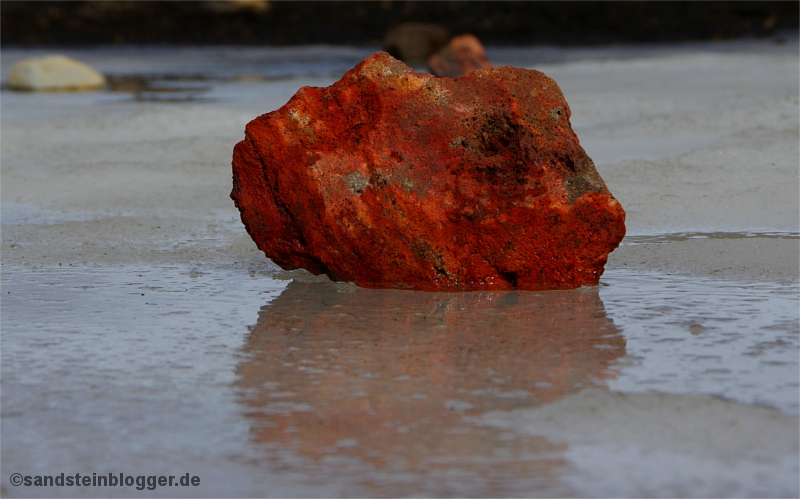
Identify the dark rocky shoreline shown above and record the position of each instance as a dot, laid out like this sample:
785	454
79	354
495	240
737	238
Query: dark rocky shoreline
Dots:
43	23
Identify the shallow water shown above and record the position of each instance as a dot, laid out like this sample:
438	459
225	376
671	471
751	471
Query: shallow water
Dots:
269	387
692	335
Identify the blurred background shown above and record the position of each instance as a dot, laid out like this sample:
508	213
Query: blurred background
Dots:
269	22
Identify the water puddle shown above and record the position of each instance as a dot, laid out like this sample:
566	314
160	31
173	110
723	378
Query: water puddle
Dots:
161	88
691	335
686	236
269	387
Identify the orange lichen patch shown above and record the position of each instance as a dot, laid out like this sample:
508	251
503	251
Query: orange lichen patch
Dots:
395	179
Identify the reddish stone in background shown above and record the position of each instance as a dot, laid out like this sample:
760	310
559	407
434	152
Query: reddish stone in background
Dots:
414	43
395	179
463	55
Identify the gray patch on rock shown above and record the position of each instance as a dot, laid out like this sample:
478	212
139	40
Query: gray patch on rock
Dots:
356	182
583	178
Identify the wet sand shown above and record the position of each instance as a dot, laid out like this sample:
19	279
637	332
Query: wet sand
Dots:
144	333
686	150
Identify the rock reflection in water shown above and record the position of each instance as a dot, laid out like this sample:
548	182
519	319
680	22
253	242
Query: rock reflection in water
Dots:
391	377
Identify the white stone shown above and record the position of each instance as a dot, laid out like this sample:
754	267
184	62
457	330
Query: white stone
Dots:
53	73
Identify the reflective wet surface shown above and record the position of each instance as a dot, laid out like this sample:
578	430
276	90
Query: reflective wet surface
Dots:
388	377
689	335
271	387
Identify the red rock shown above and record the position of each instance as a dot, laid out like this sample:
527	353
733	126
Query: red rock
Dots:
463	55
395	179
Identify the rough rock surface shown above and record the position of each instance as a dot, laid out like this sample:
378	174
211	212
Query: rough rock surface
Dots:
463	55
53	73
396	179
